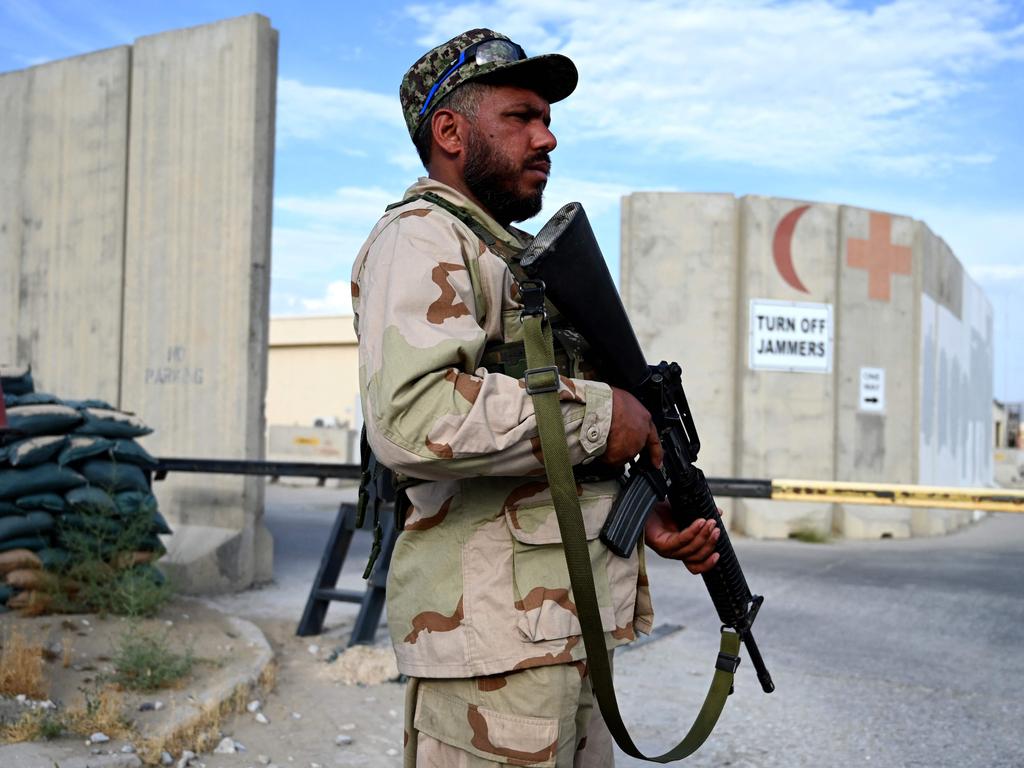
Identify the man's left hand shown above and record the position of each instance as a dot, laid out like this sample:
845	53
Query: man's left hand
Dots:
694	545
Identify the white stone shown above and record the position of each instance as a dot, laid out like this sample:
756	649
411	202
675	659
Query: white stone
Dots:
226	746
20	698
262	759
342	740
166	758
99	738
128	749
314	649
158	705
348	727
391	752
296	715
262	719
254	706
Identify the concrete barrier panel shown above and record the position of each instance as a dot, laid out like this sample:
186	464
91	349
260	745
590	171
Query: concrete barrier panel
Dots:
62	206
197	280
678	283
879	302
786	419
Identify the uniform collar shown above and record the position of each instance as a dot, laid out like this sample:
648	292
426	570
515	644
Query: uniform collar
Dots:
426	184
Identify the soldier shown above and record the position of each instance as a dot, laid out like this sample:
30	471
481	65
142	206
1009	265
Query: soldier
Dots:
479	606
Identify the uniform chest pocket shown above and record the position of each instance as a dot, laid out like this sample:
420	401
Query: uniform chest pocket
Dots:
544	600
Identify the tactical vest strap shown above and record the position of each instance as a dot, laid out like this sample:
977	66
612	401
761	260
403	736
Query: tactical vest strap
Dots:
550	425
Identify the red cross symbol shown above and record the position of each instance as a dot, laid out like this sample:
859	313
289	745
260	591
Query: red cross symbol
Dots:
879	256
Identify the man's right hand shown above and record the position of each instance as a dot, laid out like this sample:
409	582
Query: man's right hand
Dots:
631	431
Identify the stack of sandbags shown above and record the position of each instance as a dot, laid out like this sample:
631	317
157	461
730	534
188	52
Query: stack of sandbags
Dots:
74	485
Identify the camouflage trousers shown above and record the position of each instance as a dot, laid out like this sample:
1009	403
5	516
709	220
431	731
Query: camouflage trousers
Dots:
545	717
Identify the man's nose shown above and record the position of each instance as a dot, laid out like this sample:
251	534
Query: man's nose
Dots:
544	139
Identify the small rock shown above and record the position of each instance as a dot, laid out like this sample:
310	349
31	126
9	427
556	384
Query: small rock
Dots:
147	706
158	705
166	758
169	623
262	719
99	738
226	747
348	727
85	622
392	713
314	765
296	715
186	757
47	704
254	706
314	649
128	749
96	751
185	616
262	759
391	752
342	740
20	698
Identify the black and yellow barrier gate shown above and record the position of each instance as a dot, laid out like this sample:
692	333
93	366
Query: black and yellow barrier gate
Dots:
897	495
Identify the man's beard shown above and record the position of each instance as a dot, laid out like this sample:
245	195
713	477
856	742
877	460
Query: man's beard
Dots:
492	177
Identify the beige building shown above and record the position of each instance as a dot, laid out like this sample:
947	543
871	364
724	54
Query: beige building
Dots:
313	369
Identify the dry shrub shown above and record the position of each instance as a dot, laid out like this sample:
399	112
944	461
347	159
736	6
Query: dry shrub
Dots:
21	667
100	710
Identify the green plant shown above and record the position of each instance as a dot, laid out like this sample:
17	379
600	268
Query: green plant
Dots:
145	662
809	535
107	570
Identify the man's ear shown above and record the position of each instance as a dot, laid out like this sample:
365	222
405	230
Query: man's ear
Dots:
449	129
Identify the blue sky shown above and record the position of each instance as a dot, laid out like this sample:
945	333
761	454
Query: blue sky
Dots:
914	107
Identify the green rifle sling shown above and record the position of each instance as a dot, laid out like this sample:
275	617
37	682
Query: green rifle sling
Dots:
542	384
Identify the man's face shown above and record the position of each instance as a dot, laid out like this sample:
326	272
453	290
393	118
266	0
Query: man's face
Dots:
507	164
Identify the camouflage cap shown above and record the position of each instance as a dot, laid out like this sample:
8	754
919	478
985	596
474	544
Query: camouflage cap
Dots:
551	75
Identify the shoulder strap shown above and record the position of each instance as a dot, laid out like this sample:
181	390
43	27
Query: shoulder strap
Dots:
542	385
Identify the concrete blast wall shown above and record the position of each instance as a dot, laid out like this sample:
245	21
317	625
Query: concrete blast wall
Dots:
825	342
135	207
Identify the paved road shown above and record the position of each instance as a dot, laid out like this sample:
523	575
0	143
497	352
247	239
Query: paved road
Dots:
887	653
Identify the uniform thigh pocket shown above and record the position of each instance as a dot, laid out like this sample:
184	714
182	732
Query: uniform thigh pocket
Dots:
486	733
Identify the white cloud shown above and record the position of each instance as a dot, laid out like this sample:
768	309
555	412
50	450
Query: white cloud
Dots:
347	208
997	273
337	300
808	84
312	112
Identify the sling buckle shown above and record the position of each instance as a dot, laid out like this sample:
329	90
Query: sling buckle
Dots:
540	380
727	662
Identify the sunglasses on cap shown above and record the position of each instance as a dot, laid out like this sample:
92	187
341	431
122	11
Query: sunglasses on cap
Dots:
483	52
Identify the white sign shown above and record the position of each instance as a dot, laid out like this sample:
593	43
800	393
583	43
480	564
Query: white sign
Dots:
872	390
790	336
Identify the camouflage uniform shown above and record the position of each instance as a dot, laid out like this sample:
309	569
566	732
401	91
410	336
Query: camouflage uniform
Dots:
478	584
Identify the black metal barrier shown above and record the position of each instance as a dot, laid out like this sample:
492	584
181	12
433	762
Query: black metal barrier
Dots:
371	600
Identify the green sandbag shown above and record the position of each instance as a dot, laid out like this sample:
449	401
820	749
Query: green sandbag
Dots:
80	447
16	379
44	478
81	405
114	476
35	543
33	398
8	508
133	453
147	572
110	423
91	500
151	543
16	527
45	502
98	525
54	559
133	503
34	450
160	525
52	419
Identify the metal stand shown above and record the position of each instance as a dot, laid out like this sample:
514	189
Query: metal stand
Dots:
323	591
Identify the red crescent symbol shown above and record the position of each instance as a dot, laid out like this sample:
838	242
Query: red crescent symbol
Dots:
782	247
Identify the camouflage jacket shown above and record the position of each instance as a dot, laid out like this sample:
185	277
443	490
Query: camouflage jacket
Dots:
478	582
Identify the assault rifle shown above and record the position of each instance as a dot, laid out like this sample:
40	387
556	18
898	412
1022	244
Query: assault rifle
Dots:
567	262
